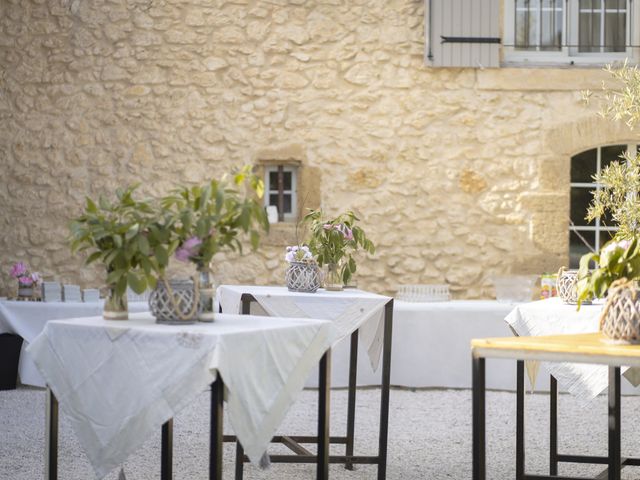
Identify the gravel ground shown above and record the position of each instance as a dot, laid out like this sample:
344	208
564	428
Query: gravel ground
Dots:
429	437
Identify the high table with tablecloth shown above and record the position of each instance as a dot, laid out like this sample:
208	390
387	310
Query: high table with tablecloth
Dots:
119	380
28	319
354	314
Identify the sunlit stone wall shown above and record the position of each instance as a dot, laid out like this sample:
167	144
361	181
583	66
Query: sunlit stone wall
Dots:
458	174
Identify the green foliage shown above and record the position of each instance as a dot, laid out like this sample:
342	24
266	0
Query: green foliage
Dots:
621	102
337	239
127	237
619	195
616	260
216	212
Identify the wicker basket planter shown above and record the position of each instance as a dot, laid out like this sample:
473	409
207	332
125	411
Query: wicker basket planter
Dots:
303	277
174	302
620	319
567	286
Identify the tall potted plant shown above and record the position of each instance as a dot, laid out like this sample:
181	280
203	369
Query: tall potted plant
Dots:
209	218
333	242
120	234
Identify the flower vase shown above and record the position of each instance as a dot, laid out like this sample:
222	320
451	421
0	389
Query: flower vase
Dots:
332	279
25	291
303	277
207	295
115	306
174	302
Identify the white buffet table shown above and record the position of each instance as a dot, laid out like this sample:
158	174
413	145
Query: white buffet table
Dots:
119	381
28	319
431	346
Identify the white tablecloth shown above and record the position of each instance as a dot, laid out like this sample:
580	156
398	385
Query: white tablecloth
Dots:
552	317
348	310
120	381
28	319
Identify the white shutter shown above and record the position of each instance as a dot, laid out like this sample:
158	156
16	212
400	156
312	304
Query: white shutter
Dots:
463	33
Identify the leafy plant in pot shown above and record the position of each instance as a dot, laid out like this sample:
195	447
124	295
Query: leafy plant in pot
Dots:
333	242
210	218
616	277
118	235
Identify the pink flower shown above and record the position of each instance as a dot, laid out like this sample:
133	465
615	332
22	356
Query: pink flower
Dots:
26	281
327	226
188	249
18	270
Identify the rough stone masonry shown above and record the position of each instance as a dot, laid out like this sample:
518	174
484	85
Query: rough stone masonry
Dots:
457	174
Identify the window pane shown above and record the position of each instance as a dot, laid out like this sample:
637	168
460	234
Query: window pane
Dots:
273	199
605	237
551	32
610	154
589	26
273	181
287	203
580	200
583	166
615	28
577	247
287	180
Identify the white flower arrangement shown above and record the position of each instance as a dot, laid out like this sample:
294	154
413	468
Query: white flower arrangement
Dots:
299	253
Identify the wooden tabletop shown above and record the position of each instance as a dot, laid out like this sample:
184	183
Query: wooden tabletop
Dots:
583	348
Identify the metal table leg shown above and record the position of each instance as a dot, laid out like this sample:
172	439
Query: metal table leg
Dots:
615	466
51	440
166	456
520	456
479	437
553	426
386	383
215	454
322	472
351	403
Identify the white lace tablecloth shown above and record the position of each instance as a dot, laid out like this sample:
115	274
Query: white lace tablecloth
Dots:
349	310
552	317
118	381
28	319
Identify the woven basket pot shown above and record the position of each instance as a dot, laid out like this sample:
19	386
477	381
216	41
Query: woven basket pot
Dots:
303	277
620	319
567	286
174	302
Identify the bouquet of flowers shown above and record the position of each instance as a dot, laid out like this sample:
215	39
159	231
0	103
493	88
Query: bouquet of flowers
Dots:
299	254
334	241
20	271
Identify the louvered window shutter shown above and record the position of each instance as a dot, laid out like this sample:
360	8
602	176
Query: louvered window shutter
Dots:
463	33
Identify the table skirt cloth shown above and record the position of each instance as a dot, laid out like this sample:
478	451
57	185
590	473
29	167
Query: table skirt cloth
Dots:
120	381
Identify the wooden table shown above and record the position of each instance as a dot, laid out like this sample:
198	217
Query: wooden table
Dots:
583	348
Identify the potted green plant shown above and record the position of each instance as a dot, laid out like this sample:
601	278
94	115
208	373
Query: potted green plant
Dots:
210	218
333	243
123	237
616	277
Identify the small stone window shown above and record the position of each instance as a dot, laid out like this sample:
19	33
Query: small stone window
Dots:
281	192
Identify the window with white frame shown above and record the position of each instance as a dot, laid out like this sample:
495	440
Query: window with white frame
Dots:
573	31
585	236
281	191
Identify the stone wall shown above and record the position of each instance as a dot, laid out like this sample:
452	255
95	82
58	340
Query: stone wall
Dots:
458	174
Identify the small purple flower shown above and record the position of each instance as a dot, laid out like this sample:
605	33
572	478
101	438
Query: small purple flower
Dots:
18	270
188	249
26	281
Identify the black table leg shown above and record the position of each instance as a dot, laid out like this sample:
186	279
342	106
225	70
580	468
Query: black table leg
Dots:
215	454
479	458
239	473
322	472
520	457
615	466
553	426
386	383
51	437
246	300
166	456
351	403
